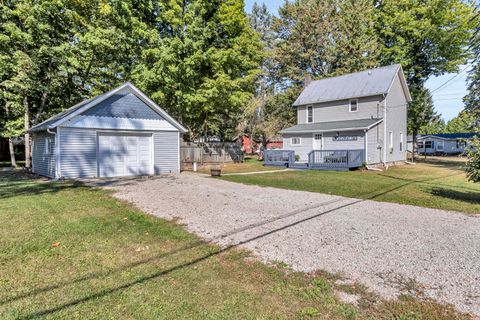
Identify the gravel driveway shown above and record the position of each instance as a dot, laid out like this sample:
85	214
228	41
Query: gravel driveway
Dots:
382	245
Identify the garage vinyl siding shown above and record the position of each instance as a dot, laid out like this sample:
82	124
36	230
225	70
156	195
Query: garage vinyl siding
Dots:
43	162
165	146
78	155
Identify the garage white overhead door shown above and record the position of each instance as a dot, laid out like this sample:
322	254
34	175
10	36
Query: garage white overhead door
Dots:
121	154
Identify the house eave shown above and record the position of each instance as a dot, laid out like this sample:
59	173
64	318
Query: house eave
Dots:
342	99
332	130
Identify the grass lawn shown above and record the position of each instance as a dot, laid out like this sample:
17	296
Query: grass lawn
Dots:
72	252
437	183
251	164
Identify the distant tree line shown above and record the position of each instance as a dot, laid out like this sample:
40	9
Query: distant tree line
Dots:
216	69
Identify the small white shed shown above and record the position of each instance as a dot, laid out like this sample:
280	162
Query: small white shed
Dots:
119	133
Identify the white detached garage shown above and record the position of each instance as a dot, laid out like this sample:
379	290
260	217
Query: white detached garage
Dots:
119	133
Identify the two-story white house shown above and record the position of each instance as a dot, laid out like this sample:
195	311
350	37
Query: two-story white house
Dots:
365	111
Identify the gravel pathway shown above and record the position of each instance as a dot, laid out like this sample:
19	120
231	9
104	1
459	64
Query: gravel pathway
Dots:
390	248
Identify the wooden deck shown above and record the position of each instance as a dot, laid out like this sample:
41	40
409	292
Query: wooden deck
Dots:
338	160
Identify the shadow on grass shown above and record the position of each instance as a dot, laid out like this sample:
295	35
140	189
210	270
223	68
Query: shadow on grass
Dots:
470	197
215	252
17	184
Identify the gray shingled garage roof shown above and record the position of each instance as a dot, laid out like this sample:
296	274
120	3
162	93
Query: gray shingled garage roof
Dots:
354	85
333	126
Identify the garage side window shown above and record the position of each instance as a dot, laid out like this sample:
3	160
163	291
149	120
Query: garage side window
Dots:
295	141
48	146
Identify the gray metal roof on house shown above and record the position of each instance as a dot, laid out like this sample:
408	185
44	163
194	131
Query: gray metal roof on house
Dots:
359	124
354	85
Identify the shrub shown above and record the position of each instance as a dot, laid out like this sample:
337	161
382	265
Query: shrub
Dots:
473	164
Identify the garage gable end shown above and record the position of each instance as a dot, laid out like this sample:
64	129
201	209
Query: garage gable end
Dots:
123	105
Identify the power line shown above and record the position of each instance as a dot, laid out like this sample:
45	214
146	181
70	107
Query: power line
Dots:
449	80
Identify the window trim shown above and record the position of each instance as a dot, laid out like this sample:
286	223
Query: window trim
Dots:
390	139
306	111
350	105
295	144
46	146
440	143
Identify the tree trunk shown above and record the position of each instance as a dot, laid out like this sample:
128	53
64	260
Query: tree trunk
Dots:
11	148
27	135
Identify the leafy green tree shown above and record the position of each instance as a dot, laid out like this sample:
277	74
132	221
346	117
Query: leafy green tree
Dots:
436	125
428	38
202	65
461	123
472	99
54	53
473	164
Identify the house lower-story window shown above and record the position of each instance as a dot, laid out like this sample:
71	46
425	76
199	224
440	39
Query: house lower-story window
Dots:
440	145
401	141
295	141
428	144
420	144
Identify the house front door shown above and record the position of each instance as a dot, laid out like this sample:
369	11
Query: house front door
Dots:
317	141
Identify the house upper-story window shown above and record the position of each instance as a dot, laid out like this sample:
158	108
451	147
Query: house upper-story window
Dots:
390	139
353	105
295	141
309	114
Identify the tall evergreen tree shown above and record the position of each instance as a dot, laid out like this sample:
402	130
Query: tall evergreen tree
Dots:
424	115
324	38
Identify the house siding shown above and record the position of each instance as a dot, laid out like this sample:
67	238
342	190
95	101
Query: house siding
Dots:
396	122
330	144
368	107
78	153
43	163
166	152
374	153
301	150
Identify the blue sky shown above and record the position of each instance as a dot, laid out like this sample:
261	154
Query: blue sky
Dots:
447	100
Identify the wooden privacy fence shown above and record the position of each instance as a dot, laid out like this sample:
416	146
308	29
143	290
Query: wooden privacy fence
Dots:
209	153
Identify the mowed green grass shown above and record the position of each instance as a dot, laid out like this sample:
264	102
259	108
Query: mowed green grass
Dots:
251	164
72	252
434	184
